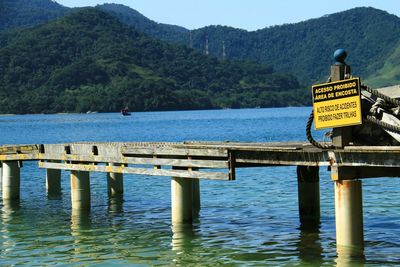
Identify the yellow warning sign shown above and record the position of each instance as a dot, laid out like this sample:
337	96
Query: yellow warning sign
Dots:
337	104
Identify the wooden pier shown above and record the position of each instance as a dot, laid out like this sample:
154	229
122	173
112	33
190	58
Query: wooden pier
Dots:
189	162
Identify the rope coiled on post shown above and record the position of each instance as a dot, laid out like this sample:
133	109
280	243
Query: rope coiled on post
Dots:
372	119
376	93
382	124
309	134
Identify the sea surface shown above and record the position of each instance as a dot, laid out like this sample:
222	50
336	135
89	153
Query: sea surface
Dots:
252	221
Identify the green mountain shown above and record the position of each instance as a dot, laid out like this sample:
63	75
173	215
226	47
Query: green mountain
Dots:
129	16
389	73
304	49
89	60
22	13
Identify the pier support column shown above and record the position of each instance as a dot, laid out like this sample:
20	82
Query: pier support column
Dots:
115	183
196	196
182	200
80	190
1	176
10	180
349	217
53	183
308	194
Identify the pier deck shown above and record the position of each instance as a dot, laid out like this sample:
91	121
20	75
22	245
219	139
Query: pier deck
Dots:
189	162
219	158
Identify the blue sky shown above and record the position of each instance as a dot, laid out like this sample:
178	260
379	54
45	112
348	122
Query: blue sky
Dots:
249	15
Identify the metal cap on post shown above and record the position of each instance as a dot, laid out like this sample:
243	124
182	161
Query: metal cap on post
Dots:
339	71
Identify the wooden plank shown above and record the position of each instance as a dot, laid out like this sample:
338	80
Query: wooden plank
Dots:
275	163
142	171
282	158
176	152
13	157
10	149
55	148
138	161
246	146
350	173
371	159
229	143
150	144
391	91
257	148
372	148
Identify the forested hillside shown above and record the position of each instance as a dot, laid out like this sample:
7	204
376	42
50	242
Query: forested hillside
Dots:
165	32
89	60
304	49
389	73
22	13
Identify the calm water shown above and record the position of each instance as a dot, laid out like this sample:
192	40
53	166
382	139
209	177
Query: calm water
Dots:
252	221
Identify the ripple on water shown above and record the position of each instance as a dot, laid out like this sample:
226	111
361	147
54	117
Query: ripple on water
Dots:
252	221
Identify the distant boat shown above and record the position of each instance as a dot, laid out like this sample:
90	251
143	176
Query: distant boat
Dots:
125	112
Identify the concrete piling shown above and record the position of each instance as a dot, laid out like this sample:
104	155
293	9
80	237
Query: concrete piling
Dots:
182	200
53	183
11	180
115	183
349	216
308	194
80	190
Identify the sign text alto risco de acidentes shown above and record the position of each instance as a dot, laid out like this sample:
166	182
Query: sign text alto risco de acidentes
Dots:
337	104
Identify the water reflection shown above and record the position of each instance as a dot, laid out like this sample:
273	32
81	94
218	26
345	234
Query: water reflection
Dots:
182	237
349	256
115	204
309	244
80	224
257	229
9	209
9	217
80	221
54	196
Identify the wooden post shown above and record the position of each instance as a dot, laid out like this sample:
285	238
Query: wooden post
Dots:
1	175
181	200
80	190
349	217
115	183
308	195
11	180
339	71
53	183
196	196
